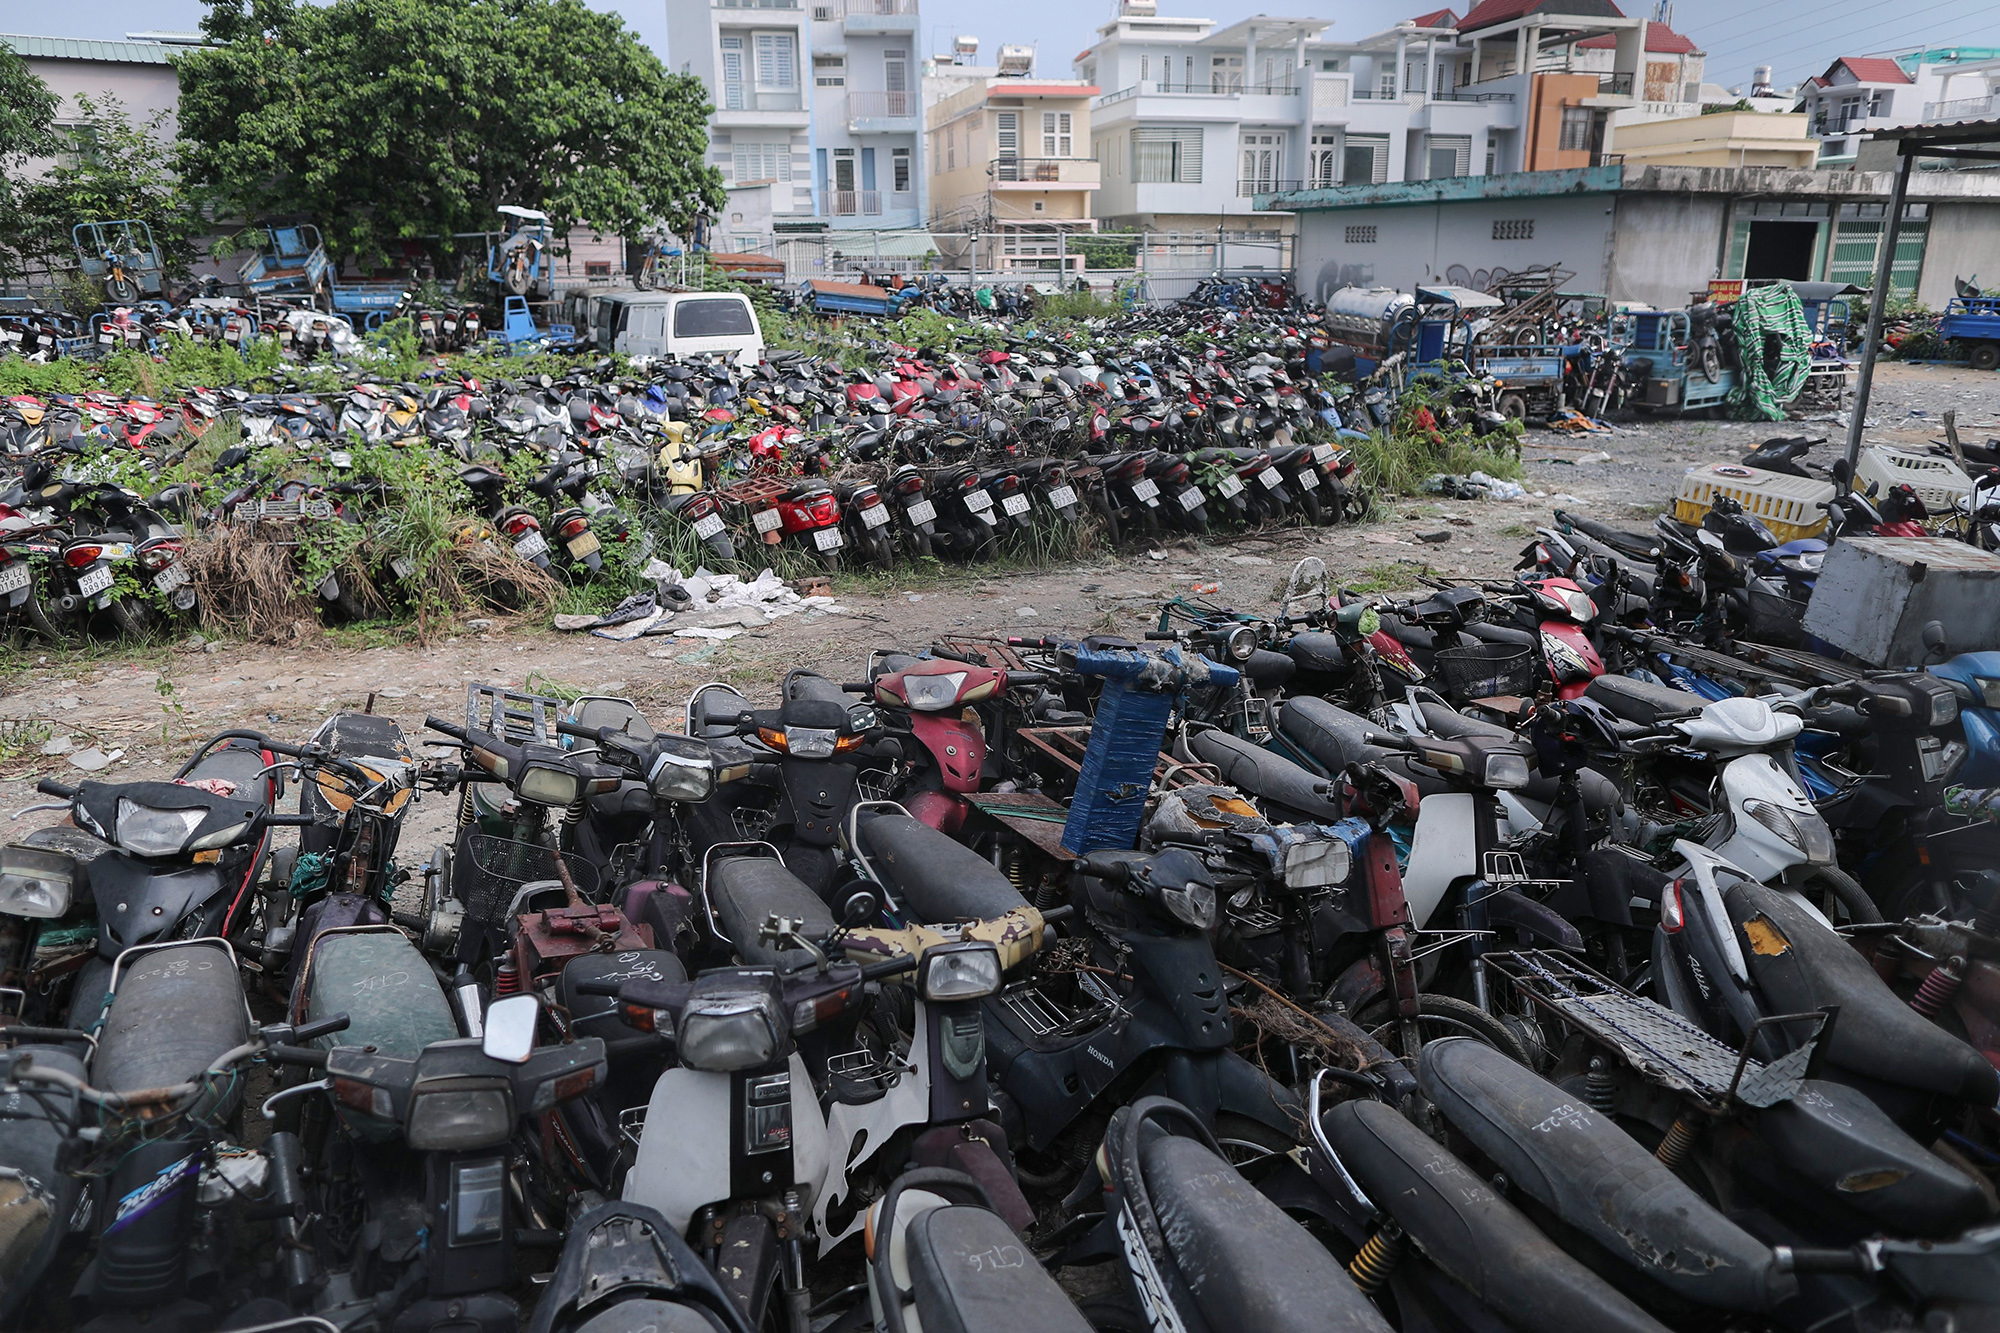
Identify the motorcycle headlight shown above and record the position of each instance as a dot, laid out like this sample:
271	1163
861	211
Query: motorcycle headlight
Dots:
810	742
1241	643
724	1031
146	831
1944	708
222	837
1505	770
1192	904
1802	830
960	972
930	694
549	786
678	777
455	1115
1989	689
478	1202
35	882
1315	864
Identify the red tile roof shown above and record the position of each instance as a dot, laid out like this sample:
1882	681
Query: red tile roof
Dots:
1660	41
1437	18
1870	69
1489	12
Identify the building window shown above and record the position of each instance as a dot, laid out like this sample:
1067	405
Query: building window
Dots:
1361	235
1329	66
1878	104
1225	74
1056	140
1188	86
829	71
1513	229
896	79
1262	154
899	168
596	268
1575	136
950	148
1325	161
777	61
1167	155
1451	155
1145	68
1364	159
758	162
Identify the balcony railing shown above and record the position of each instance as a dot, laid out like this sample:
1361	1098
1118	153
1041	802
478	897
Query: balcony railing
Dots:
1614	85
1473	93
737	97
855	9
854	203
1044	170
1964	108
880	106
1266	185
753	4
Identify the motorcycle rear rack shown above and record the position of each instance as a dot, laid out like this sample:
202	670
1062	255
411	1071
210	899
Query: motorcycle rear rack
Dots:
865	1067
1508	870
1658	1044
512	715
1066	745
283	511
1047	1020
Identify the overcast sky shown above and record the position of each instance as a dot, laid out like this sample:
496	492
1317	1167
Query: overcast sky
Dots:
1797	38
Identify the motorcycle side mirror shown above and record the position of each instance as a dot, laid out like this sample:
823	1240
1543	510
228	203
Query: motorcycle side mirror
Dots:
510	1029
1934	638
1843	474
859	909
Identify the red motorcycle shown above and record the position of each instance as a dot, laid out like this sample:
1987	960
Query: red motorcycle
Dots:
1563	613
938	695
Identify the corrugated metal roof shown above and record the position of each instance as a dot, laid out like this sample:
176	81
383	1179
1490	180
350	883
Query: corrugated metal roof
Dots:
77	48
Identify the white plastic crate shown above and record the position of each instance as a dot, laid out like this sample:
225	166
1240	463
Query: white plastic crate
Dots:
1938	482
1787	505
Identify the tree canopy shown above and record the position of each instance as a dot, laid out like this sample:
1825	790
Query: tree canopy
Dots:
393	121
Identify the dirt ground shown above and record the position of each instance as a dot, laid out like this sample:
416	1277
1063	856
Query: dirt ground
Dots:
149	707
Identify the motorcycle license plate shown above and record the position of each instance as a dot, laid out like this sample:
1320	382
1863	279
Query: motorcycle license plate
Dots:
340	458
1062	496
583	544
1229	487
978	501
402	567
1145	488
1269	476
1014	506
705	528
1309	480
766	520
532	545
1190	498
1322	454
170	578
923	511
826	539
14	578
94	581
875	515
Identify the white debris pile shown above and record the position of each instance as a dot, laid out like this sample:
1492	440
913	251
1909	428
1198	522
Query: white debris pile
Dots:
701	605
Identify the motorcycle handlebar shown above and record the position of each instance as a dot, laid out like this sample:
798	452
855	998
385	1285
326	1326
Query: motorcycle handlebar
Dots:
1388	742
598	987
50	787
1100	866
455	732
1028	678
320	1027
890	967
296	1055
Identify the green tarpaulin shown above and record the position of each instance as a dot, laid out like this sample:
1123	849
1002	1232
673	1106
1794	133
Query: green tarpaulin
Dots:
1775	349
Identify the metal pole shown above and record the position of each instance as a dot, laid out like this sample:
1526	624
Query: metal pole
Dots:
1883	263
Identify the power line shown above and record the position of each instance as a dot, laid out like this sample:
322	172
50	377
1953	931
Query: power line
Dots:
1845	43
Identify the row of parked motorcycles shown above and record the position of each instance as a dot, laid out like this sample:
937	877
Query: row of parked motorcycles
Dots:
946	456
1496	958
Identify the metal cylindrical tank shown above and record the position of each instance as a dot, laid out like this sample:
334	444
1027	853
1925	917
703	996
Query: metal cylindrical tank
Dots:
1362	316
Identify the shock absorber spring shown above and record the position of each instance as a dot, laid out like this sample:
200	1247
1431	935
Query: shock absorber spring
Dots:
1600	1089
1010	861
1938	988
1679	1139
1377	1259
507	979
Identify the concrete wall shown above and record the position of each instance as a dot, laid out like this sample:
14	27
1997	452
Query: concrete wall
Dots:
1964	240
1665	247
1453	243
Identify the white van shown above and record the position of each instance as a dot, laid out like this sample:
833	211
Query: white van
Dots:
678	324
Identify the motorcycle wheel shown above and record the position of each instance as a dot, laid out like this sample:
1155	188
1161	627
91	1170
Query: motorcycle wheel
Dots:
1195	521
830	561
880	552
131	616
920	542
1109	518
38	620
1711	362
1837	894
517	276
121	290
1149	520
1442	1016
1244	1140
723	548
1310	506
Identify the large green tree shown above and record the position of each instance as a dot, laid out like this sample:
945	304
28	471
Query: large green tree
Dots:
27	112
388	121
118	169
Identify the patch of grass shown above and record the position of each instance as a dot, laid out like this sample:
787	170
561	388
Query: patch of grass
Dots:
539	682
1517	532
1398	576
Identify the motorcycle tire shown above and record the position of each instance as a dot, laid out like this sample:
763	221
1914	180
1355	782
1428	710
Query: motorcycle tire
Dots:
1835	893
1109	518
1711	362
1310	506
830	561
880	552
920	542
722	548
38	620
1149	521
132	617
517	280
121	291
1195	521
1442	1016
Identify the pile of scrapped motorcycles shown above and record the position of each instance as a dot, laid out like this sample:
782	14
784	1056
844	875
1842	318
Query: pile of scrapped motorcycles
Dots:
1495	959
793	461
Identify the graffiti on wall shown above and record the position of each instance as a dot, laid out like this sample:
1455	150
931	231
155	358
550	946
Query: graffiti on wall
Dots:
1479	279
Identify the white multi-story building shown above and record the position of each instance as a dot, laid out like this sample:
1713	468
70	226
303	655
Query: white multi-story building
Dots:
1857	94
817	120
1196	121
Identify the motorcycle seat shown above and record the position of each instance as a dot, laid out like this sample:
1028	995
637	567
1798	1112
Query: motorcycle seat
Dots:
1478	1238
238	762
744	890
1258	771
970	1273
1317	652
1799	966
1247	1264
1597	1178
1268	668
812	685
715	710
1599	792
1642	701
1335	737
935	878
1488	632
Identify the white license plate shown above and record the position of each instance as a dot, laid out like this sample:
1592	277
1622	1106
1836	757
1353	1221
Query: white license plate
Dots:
1190	498
583	544
173	576
340	458
1269	476
532	545
978	501
402	566
767	520
1145	488
1309	480
94	581
875	515
923	511
1014	506
13	578
1229	486
1322	454
705	528
827	538
1062	496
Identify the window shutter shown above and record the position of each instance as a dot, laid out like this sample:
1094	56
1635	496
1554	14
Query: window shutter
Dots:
776	65
1007	134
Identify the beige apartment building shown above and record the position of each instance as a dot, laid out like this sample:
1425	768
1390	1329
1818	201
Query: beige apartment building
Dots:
1010	162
